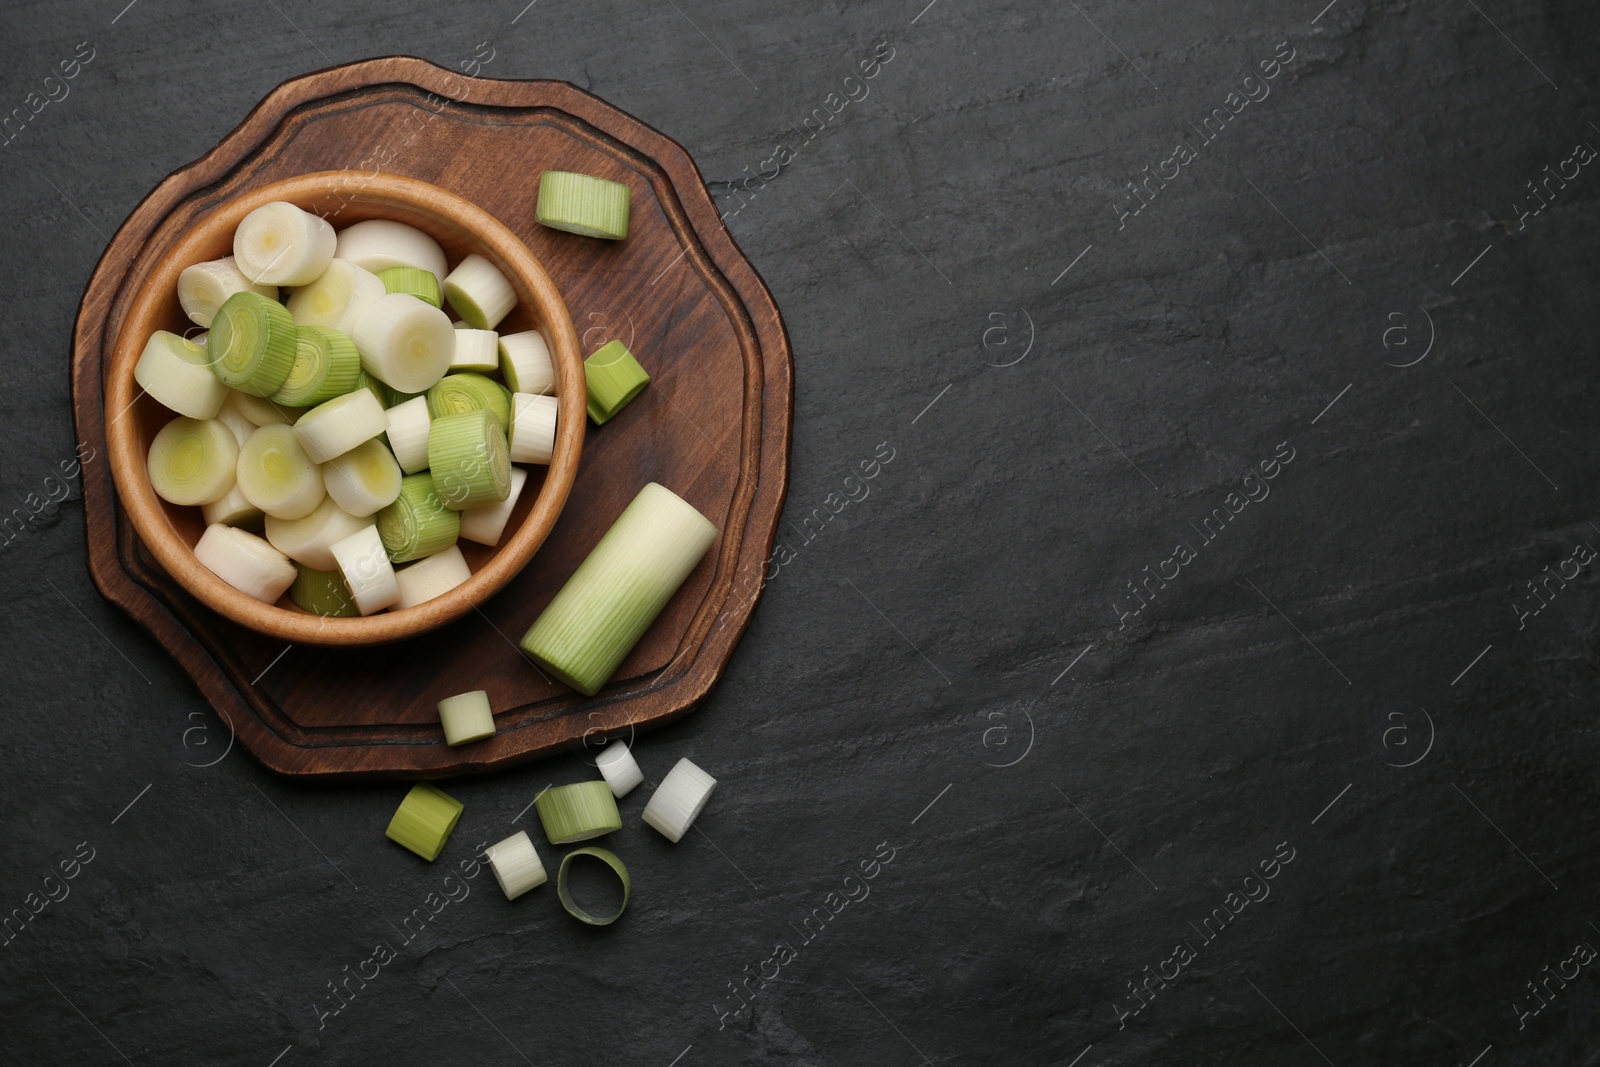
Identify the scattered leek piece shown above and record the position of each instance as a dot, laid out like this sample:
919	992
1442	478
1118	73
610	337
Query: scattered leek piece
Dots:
617	592
432	577
322	593
408	433
177	373
418	523
610	860
336	298
379	243
424	820
202	287
487	522
479	293
367	570
525	362
193	461
251	345
364	479
533	427
620	769
245	562
326	365
476	350
516	865
577	812
679	799
455	393
277	476
422	284
309	540
466	717
280	244
582	203
613	377
333	428
469	459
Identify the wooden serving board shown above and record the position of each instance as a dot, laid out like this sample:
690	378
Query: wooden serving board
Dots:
713	426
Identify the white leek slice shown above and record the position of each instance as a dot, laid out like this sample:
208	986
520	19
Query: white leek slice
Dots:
619	768
408	433
617	592
367	570
178	374
533	427
202	287
364	479
334	428
336	298
245	562
525	362
230	416
479	293
310	540
476	350
279	244
259	410
466	717
192	461
678	801
277	476
404	342
516	865
486	523
432	577
378	244
232	510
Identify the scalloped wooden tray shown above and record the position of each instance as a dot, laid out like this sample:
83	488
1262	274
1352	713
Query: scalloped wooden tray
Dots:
714	426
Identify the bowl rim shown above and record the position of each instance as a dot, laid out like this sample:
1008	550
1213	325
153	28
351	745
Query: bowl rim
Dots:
147	513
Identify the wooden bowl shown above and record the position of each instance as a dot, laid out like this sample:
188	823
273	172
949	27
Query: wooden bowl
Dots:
344	197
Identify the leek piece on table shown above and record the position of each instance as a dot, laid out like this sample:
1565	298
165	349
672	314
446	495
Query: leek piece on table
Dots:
479	293
367	570
620	769
617	592
309	540
336	298
582	203
335	427
487	522
245	562
380	243
577	812
432	577
613	377
177	372
516	865
525	362
618	868
280	244
424	820
533	427
419	522
277	476
364	479
251	344
469	460
322	593
678	801
466	718
193	461
202	287
404	342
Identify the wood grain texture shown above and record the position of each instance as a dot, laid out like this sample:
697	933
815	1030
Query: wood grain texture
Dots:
714	426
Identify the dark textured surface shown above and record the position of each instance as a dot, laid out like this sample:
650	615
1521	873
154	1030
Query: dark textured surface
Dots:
925	635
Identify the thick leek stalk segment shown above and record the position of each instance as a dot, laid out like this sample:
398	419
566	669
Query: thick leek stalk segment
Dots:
619	768
476	350
466	717
679	800
245	562
422	284
335	427
533	428
516	865
419	522
479	293
486	523
404	342
277	476
251	345
178	374
310	540
364	479
469	460
525	362
336	298
425	820
367	571
432	577
455	393
408	433
322	593
279	244
582	203
326	365
193	461
577	812
377	244
613	378
202	287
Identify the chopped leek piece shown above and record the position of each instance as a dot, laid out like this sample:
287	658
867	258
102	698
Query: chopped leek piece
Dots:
251	345
620	769
613	377
422	284
379	243
193	461
259	411
418	523
202	287
364	479
310	540
486	522
232	510
279	244
525	362
533	428
367	570
476	350
617	592
577	812
516	866
582	203
469	459
322	593
335	427
405	342
455	393
178	374
479	293
408	433
326	365
466	717
245	562
336	298
424	820
432	577
277	476
610	859
678	800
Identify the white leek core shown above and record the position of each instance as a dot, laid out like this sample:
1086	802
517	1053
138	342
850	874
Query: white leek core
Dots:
245	562
533	427
279	244
310	539
202	287
364	479
516	865
193	461
404	342
367	570
679	799
378	244
486	523
525	362
178	374
479	293
408	433
334	428
466	718
277	476
432	577
336	298
619	768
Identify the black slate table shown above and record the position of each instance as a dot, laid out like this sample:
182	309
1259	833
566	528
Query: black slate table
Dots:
1205	677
